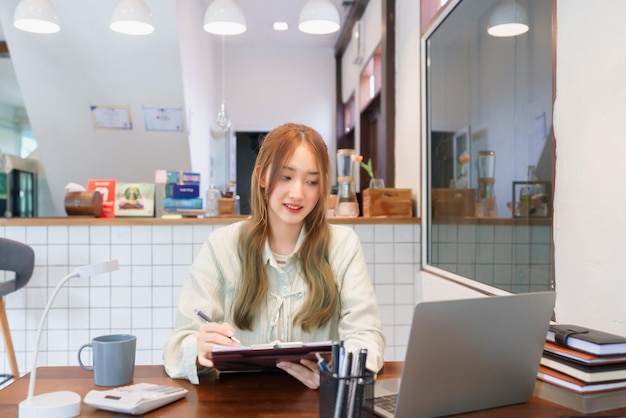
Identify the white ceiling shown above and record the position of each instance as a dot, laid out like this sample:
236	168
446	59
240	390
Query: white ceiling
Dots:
260	15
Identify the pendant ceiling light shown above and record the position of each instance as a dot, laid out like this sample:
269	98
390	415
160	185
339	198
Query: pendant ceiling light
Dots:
319	17
223	121
224	17
36	16
508	19
132	17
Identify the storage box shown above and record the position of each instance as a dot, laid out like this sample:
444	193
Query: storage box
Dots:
387	202
453	202
226	206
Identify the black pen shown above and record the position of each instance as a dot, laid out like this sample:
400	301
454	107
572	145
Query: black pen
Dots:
334	360
206	318
355	394
353	404
344	378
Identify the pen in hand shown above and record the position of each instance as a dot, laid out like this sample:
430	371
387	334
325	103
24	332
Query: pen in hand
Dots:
322	363
206	318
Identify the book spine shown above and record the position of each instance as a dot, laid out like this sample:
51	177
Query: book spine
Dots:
182	191
174	203
182	177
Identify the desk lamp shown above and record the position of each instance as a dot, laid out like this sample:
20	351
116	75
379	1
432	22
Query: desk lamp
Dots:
60	404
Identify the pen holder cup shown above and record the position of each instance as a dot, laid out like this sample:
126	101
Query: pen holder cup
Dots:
347	397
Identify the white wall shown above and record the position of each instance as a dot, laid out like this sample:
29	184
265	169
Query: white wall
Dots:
408	108
198	52
9	131
589	226
269	86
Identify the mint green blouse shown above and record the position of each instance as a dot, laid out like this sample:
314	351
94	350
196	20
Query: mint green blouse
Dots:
215	276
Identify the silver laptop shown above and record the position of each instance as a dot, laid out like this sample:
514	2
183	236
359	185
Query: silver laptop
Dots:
469	354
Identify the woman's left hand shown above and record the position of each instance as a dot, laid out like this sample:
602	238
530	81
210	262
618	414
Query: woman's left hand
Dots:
306	371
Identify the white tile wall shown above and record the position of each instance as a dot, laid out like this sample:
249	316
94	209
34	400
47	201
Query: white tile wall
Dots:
514	258
141	297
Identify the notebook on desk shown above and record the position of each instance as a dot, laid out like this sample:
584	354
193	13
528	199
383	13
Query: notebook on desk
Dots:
469	354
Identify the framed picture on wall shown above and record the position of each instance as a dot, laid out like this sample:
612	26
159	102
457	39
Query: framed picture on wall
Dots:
111	117
461	159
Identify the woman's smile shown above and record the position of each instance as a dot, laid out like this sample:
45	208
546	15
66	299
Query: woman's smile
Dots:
292	208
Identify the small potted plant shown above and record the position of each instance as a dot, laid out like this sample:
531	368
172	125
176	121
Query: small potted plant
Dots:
375	182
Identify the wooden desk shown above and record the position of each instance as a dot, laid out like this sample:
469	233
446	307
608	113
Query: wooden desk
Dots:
235	395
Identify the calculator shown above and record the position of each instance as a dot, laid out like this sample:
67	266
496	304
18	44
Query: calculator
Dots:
136	399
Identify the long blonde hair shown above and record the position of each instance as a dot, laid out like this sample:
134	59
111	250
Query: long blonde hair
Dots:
323	299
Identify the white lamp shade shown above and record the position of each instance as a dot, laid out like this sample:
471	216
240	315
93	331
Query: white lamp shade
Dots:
132	17
319	17
36	16
224	17
508	19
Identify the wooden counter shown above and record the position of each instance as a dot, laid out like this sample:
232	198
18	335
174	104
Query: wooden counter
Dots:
216	220
224	220
240	395
467	220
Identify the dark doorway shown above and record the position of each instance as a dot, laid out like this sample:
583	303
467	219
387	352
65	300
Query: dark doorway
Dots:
248	144
442	159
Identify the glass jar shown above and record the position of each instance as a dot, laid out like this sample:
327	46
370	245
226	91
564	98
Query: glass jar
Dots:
347	205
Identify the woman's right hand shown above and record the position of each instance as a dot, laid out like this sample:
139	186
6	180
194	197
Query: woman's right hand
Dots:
210	335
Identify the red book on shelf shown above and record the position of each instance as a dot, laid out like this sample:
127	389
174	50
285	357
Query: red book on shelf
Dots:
106	187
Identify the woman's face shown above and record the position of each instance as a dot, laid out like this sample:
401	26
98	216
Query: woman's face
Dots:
297	190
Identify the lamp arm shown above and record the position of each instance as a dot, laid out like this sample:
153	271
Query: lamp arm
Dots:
33	373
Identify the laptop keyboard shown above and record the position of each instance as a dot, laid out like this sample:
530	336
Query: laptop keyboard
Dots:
387	403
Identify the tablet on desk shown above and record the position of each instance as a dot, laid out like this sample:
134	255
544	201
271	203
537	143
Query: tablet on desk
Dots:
265	356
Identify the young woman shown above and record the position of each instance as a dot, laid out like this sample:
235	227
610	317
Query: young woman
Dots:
283	274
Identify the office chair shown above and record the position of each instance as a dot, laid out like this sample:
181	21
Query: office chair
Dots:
17	258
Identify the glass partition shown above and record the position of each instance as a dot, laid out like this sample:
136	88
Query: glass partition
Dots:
488	146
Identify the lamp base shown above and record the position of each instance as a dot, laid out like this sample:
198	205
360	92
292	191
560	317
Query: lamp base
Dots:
61	404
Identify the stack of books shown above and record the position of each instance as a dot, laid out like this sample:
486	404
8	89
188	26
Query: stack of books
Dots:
182	192
583	369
